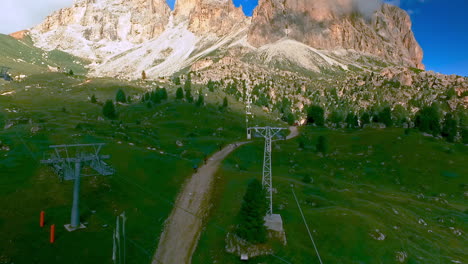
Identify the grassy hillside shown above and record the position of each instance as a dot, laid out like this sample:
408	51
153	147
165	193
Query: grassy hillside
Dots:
150	168
410	188
23	58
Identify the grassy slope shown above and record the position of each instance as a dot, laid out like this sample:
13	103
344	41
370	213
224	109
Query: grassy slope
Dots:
372	179
146	182
23	58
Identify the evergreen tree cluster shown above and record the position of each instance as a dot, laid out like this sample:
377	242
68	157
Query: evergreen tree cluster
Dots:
251	216
155	96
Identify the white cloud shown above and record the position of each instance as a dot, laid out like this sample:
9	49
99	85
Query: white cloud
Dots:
23	14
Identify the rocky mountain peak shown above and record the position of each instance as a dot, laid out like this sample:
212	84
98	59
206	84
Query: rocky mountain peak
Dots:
380	30
88	22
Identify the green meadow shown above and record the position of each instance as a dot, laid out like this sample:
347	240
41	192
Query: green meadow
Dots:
376	196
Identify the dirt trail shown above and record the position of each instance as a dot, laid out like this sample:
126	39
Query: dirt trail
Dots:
183	227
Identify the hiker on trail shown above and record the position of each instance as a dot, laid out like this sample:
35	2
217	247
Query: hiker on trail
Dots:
195	168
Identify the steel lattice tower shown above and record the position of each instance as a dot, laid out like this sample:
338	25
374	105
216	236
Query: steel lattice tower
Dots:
69	168
268	133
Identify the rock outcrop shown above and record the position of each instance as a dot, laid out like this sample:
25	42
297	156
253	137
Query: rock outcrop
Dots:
385	33
89	22
210	16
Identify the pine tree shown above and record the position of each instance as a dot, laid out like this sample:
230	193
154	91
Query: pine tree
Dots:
201	100
179	93
385	116
449	130
251	216
108	110
427	120
93	99
71	73
188	95
315	115
120	96
225	102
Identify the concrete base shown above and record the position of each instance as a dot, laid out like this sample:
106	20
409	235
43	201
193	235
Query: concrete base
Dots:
274	222
69	228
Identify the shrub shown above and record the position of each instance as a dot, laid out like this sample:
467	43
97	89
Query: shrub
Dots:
315	115
251	216
93	99
306	179
108	110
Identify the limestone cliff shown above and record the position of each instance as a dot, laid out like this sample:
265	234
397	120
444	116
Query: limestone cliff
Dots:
385	32
210	16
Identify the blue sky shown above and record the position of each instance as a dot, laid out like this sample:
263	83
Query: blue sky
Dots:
440	26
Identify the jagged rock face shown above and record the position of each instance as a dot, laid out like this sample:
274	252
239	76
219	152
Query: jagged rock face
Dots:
386	33
131	21
210	16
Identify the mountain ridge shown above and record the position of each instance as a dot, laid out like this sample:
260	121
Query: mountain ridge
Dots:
106	31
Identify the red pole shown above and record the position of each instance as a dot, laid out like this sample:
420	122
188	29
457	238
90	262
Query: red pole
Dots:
41	221
52	234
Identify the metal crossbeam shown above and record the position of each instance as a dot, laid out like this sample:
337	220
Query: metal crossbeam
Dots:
268	133
69	168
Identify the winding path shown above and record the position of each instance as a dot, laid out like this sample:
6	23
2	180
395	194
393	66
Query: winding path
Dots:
183	227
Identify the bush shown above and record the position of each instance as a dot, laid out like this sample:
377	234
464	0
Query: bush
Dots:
336	117
71	73
211	85
179	93
108	110
251	216
385	116
176	80
322	144
427	120
120	96
352	120
365	119
93	99
315	115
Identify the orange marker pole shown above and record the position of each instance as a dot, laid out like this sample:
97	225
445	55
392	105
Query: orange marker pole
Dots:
52	234
41	221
